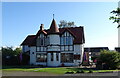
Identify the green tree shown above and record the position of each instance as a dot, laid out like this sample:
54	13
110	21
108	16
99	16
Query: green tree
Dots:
64	24
10	56
110	58
17	51
115	18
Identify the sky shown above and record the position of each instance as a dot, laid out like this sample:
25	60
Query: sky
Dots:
20	19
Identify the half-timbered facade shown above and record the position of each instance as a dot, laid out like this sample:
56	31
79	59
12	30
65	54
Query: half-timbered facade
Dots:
55	46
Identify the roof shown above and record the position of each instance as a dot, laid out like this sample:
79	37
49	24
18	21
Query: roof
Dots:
29	40
53	28
95	49
117	49
76	32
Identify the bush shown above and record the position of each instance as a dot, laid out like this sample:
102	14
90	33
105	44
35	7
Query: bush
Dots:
69	72
110	59
90	71
77	71
82	71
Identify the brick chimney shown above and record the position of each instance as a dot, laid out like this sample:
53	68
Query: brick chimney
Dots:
42	27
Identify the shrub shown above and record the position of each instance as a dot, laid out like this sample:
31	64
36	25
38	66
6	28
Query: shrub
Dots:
77	71
69	72
110	59
82	71
90	71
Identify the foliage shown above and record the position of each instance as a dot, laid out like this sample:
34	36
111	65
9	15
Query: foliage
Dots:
116	13
64	24
10	56
90	71
110	59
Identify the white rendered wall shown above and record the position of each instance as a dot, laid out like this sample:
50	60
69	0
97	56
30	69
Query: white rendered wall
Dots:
54	40
41	63
33	55
54	62
25	48
78	49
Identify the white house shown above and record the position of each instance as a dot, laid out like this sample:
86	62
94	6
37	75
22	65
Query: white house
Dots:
55	46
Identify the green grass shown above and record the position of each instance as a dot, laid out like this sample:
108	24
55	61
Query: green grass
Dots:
59	70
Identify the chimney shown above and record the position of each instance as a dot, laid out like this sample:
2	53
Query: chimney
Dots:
42	27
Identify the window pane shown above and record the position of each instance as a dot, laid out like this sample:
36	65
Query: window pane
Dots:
51	56
67	57
57	56
41	57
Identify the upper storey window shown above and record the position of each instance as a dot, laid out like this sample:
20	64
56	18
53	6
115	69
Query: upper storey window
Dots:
41	40
66	39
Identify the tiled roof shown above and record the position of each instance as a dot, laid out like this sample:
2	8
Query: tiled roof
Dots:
95	49
29	40
53	28
76	32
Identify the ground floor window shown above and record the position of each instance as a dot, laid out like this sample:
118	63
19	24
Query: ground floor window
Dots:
76	57
66	57
51	56
41	57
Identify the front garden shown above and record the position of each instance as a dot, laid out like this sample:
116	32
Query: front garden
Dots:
59	70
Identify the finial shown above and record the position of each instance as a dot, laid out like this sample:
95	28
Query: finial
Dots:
53	16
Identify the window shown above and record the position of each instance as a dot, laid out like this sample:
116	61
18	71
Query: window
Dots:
57	56
41	48
51	56
66	57
66	39
76	57
41	57
41	40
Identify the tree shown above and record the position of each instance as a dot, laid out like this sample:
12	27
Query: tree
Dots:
115	18
10	56
64	24
111	59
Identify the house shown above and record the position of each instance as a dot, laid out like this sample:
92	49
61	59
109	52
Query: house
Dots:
91	53
55	46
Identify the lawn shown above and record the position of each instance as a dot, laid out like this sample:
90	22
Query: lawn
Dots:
58	70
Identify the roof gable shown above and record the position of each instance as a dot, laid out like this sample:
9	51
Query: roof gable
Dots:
76	32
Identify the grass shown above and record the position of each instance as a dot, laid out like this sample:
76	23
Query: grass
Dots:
58	70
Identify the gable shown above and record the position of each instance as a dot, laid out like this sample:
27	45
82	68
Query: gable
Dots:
76	32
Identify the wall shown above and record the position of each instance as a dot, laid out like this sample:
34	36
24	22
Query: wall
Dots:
78	49
54	62
33	55
25	48
54	39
